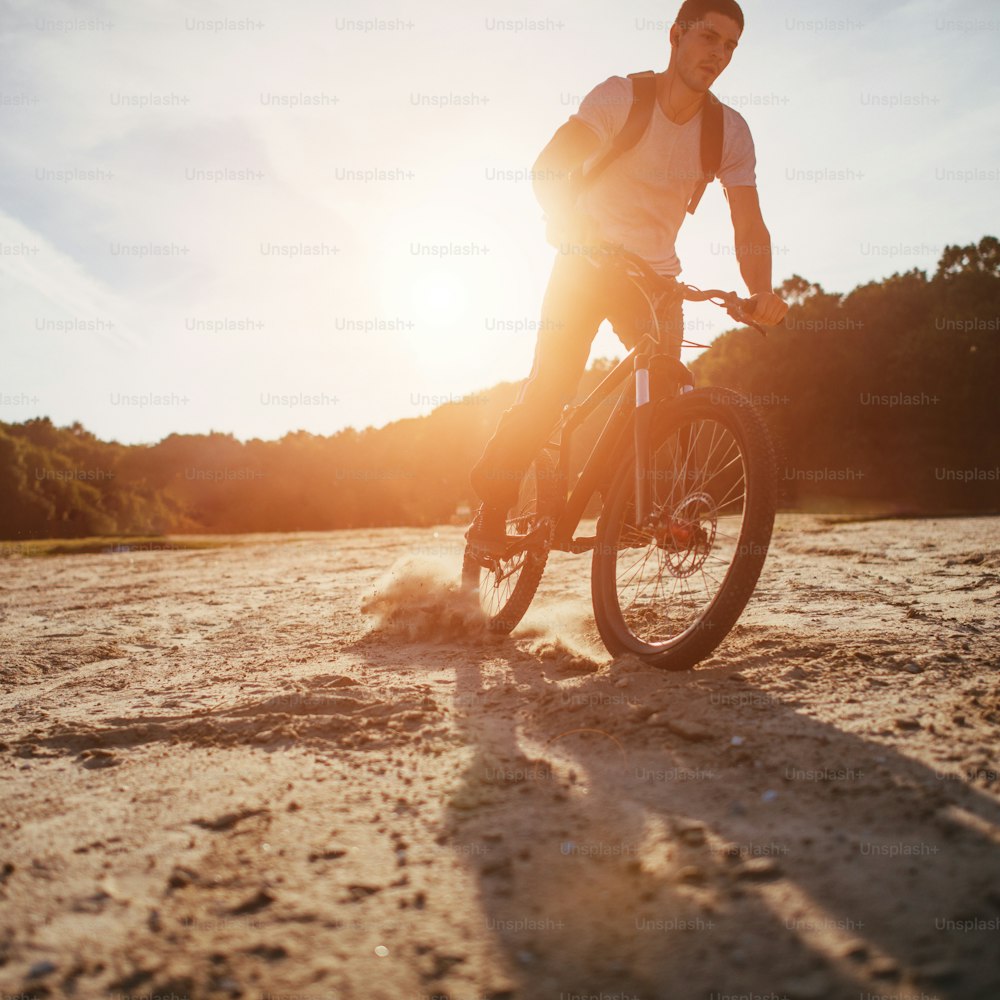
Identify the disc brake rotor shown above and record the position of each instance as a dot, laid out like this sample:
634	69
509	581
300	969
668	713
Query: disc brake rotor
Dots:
686	533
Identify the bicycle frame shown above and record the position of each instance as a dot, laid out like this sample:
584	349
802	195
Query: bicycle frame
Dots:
599	467
598	464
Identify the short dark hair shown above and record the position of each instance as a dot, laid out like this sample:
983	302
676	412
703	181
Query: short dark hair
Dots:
693	11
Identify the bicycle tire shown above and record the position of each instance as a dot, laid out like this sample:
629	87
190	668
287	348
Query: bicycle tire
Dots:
733	413
537	498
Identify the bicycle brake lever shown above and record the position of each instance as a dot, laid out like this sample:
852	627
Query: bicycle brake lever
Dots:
738	313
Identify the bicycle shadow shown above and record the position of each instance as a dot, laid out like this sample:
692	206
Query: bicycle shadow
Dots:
618	857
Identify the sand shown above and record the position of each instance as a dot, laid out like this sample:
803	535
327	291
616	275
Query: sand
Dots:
295	766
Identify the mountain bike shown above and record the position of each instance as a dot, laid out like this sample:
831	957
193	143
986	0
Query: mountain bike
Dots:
687	482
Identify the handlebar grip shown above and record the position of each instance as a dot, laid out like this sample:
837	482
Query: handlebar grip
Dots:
742	315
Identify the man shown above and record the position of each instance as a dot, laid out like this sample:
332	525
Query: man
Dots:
639	201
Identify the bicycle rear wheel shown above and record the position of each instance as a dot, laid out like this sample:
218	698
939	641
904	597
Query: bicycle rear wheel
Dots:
670	590
507	587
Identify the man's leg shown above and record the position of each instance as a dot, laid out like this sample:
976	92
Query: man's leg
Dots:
572	310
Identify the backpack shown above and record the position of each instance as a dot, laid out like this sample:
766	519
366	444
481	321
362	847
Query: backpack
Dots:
639	116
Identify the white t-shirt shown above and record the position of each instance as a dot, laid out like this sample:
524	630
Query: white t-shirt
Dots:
641	198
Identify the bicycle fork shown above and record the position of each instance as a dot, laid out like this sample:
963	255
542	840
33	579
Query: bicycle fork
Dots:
643	414
652	375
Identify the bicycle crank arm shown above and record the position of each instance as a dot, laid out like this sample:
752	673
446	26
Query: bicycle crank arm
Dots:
585	543
539	539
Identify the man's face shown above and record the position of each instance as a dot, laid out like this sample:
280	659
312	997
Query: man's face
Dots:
704	49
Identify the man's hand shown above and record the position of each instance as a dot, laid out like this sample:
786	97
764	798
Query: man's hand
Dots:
768	309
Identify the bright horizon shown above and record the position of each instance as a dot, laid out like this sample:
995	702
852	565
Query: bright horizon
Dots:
128	133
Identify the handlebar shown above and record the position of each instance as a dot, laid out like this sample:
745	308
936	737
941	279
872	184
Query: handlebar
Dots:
738	308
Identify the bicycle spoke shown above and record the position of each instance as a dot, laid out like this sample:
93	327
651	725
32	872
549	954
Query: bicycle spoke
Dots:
695	534
712	445
704	484
644	561
641	560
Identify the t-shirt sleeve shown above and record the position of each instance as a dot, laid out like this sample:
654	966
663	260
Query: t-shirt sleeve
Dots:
739	160
606	107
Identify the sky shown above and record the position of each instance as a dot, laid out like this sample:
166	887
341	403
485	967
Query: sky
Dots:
266	217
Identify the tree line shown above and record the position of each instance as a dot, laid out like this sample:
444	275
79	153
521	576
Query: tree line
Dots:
881	400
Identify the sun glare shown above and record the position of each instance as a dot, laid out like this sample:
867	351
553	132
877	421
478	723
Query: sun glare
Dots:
429	272
454	273
435	295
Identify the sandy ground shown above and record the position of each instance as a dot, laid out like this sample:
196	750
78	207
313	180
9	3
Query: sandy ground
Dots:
220	778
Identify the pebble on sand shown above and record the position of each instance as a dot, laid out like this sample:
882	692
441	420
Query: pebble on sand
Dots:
758	869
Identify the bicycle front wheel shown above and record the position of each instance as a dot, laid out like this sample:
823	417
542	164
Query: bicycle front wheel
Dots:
670	590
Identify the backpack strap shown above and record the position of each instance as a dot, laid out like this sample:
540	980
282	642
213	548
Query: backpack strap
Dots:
639	116
712	125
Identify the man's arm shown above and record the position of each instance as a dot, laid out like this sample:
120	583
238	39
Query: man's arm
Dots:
568	148
753	251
